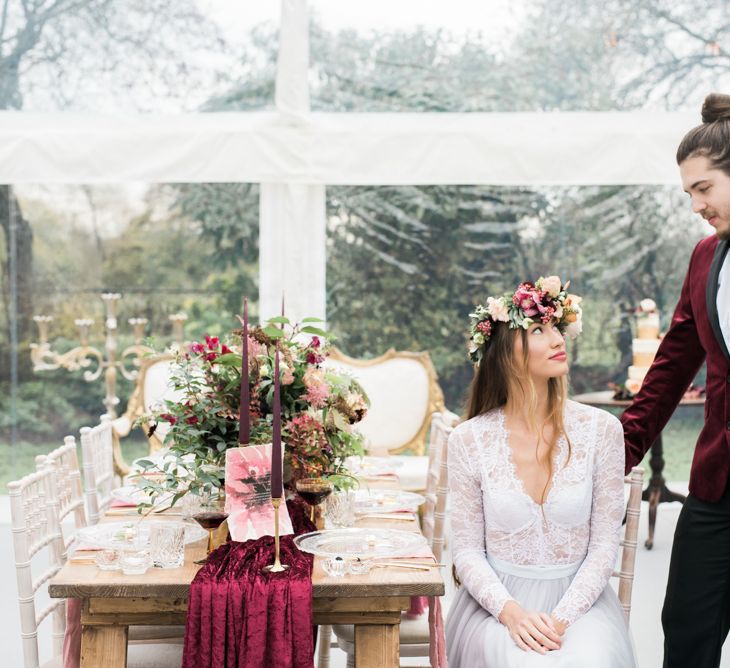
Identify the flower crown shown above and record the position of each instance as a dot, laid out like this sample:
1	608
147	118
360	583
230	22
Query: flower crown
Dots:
545	300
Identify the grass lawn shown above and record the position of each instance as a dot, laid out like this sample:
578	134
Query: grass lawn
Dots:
15	462
680	436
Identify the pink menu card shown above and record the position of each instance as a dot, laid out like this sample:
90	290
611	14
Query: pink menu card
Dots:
248	494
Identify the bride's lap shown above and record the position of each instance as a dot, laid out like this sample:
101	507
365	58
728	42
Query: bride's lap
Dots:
475	639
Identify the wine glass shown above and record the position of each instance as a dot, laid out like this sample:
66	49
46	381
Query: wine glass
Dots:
313	491
210	514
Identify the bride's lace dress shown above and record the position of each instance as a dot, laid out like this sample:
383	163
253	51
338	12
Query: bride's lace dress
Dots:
555	558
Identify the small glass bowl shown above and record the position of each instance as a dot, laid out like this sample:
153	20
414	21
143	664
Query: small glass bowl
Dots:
107	560
335	567
360	566
135	562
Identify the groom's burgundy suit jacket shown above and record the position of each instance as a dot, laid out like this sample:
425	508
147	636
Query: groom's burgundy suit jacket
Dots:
694	335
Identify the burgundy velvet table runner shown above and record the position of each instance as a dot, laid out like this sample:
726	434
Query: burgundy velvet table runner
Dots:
242	617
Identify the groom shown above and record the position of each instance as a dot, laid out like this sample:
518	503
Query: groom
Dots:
696	614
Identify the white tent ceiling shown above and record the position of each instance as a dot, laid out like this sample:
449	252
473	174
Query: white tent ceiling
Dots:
295	154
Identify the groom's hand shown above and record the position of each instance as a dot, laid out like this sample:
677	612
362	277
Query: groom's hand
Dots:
530	630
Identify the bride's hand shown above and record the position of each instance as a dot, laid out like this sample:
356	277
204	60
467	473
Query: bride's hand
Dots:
530	630
559	626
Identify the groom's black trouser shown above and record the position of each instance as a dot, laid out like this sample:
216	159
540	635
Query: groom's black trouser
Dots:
696	614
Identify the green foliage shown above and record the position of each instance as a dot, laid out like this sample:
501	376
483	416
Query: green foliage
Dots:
44	408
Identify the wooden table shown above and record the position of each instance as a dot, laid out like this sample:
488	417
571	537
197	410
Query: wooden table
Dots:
656	491
111	602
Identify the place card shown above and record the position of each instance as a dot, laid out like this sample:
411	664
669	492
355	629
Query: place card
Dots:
248	494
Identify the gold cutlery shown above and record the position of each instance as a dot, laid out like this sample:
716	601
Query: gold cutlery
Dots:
401	517
388	564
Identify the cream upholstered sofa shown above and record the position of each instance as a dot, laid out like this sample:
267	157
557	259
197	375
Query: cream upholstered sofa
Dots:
404	392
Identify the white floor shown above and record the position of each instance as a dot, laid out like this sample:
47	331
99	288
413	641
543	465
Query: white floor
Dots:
648	595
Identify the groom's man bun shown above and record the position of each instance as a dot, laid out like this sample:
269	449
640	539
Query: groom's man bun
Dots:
716	107
712	138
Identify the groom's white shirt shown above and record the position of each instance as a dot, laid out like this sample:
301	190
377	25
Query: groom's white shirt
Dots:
723	299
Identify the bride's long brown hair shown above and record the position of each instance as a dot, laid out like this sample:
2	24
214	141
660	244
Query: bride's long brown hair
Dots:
500	378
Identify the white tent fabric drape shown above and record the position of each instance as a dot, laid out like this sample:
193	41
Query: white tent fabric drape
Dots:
569	148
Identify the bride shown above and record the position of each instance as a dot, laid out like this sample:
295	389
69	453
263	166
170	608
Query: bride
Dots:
536	497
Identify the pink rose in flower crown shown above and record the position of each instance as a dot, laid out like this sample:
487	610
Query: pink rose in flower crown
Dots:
527	297
551	285
497	309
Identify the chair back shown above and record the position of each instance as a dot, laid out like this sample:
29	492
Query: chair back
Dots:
403	390
98	466
151	390
635	481
437	481
66	490
36	532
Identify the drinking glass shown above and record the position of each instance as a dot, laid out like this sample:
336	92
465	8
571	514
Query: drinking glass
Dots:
339	508
210	514
167	544
314	491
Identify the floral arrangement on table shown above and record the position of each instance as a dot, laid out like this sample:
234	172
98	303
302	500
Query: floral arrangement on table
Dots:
542	301
319	407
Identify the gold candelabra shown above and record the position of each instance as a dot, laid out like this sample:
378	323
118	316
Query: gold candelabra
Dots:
94	361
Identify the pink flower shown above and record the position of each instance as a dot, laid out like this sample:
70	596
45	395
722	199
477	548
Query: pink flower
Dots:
225	349
287	376
485	327
314	358
551	285
497	309
318	390
197	348
212	342
317	395
547	315
315	342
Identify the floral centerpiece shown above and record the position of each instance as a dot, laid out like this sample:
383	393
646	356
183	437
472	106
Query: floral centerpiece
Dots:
319	407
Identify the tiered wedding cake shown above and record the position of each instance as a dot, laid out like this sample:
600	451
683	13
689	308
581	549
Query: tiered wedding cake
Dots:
643	347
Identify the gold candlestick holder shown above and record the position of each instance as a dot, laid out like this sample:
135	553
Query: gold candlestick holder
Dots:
277	566
95	361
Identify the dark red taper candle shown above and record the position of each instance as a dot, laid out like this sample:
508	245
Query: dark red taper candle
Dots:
244	420
276	462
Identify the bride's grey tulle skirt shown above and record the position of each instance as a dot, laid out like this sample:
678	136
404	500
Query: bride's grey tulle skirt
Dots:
598	639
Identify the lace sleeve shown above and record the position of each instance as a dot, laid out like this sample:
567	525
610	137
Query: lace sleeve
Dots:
606	515
467	520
